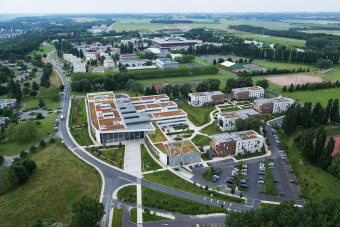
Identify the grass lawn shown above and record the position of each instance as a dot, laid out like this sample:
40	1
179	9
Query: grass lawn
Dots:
47	126
197	115
267	205
33	102
60	178
322	182
158	136
320	95
282	65
200	140
146	217
117	217
128	193
55	79
79	112
147	160
46	49
212	129
202	61
168	178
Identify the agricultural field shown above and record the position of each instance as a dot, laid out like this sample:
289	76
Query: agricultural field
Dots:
333	32
47	126
272	39
60	178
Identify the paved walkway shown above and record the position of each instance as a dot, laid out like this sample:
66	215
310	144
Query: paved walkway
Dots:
133	162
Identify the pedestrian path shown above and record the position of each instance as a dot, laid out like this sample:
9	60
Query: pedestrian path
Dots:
132	161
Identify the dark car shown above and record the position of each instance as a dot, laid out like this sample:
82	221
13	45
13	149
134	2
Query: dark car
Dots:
243	186
260	173
230	181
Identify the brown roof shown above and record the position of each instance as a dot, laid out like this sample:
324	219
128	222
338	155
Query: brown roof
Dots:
168	114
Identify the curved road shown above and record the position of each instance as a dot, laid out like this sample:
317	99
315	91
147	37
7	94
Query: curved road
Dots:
114	178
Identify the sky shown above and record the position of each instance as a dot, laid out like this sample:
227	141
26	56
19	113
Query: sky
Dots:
165	6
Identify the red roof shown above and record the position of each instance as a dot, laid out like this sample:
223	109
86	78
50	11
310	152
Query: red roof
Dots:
157	86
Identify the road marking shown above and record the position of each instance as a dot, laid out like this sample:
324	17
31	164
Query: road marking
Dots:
230	204
217	201
224	203
205	198
211	200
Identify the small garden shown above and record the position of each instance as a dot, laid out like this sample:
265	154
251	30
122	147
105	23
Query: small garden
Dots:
197	115
113	154
211	129
200	140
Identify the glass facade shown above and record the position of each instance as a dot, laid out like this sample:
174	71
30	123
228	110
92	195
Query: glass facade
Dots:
121	136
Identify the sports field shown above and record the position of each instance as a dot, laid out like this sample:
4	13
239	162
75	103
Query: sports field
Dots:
281	65
295	79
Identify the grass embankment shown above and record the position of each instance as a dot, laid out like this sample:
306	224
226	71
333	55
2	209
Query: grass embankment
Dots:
55	79
117	217
33	102
171	180
148	163
267	205
200	140
197	115
47	126
311	177
78	112
60	178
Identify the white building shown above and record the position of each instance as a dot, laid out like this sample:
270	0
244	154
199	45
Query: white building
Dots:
166	63
206	98
109	63
11	103
133	62
273	105
226	121
79	68
247	93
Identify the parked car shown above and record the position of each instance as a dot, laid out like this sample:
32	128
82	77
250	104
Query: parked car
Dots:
260	173
271	167
233	173
245	166
230	181
292	181
213	180
244	173
262	168
260	182
217	173
271	164
244	186
261	177
217	170
243	181
216	177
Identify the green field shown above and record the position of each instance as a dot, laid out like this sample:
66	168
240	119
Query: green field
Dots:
117	217
320	95
60	178
281	65
333	32
322	182
197	115
46	50
147	161
211	129
33	102
78	112
273	39
200	140
47	126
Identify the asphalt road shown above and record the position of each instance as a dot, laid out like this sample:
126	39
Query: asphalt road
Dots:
114	178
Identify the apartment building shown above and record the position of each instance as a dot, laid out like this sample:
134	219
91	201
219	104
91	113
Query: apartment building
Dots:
109	63
206	98
121	119
226	144
273	105
247	93
226	121
124	57
11	103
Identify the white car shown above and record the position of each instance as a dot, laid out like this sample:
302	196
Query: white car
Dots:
260	181
216	177
271	164
262	168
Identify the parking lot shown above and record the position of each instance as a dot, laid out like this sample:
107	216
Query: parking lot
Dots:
26	115
220	162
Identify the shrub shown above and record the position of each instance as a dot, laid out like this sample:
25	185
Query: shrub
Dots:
30	165
21	172
32	149
40	116
51	140
23	154
42	143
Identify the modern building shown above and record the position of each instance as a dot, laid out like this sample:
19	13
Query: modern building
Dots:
273	105
124	57
79	67
109	63
168	42
247	93
11	103
122	119
99	69
141	67
133	62
166	63
226	144
206	98
226	121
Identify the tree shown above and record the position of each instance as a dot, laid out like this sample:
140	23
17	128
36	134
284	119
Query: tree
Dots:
289	121
86	212
321	137
40	116
30	165
220	60
7	112
306	114
263	83
175	91
26	91
241	195
41	103
284	88
167	89
291	88
27	84
185	89
214	62
21	133
23	154
109	84
55	97
239	123
232	191
325	159
35	86
297	87
328	110
137	87
88	87
153	90
42	143
307	145
8	180
61	87
334	114
33	93
21	172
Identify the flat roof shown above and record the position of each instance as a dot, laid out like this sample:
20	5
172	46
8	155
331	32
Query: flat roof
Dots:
236	136
150	97
141	67
273	100
206	93
167	60
3	101
167	114
227	63
239	113
178	148
256	88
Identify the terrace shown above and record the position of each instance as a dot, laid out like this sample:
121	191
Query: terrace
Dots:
158	136
180	148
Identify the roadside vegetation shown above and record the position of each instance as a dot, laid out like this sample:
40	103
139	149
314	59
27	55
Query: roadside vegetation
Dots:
117	217
113	154
148	163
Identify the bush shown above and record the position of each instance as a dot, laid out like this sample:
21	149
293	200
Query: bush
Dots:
21	172
23	154
38	123
33	149
39	116
51	140
30	165
42	143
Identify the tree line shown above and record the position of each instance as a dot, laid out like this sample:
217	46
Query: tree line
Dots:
238	83
168	21
311	86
